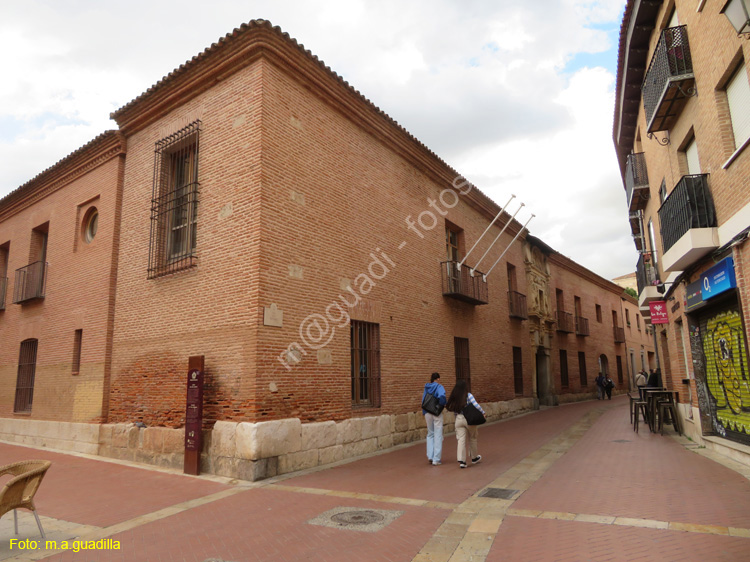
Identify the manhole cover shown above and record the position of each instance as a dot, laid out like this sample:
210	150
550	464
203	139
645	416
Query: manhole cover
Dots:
498	493
357	518
621	441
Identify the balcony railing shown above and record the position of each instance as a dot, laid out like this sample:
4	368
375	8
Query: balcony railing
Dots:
636	182
31	282
517	305
3	288
461	285
565	322
690	205
582	326
669	79
645	272
619	334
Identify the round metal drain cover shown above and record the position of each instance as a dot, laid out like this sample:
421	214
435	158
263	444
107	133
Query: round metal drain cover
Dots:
357	518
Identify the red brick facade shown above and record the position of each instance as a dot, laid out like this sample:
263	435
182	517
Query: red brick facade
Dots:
308	195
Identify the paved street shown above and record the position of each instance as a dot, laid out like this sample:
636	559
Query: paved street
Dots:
581	485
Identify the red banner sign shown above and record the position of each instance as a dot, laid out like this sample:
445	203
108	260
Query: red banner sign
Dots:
658	312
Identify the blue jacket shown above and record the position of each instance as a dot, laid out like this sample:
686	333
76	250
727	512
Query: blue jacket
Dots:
437	390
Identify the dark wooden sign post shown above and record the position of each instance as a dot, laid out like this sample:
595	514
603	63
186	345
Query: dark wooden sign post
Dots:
194	415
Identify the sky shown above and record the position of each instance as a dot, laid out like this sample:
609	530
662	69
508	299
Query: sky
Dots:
517	96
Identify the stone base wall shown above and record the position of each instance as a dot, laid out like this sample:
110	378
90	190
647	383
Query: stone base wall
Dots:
243	450
65	436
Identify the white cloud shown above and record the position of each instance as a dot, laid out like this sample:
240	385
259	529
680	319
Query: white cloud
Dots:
482	83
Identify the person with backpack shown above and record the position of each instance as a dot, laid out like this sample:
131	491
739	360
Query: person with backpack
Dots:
459	400
434	419
600	387
609	384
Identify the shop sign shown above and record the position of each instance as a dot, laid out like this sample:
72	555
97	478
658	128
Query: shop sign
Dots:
694	298
658	312
718	279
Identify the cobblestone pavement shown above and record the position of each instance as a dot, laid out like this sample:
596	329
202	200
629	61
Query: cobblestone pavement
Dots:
567	483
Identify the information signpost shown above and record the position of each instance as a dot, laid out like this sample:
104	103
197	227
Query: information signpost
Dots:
194	415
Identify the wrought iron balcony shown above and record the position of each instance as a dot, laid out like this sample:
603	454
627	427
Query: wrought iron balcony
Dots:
690	205
3	288
636	228
517	305
669	79
565	322
582	326
636	182
31	282
461	285
619	334
645	272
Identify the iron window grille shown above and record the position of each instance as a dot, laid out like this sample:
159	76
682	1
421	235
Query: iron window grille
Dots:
565	322
645	272
463	366
518	371
564	382
582	368
174	203
25	379
582	326
619	334
461	285
30	283
365	363
689	205
3	288
77	344
619	369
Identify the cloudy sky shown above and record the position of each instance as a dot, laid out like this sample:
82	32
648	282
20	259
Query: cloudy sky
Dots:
517	96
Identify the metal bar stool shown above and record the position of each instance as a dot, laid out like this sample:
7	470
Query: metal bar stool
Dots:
641	407
667	406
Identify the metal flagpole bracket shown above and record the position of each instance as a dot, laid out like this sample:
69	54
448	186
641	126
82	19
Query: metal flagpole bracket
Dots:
512	196
509	245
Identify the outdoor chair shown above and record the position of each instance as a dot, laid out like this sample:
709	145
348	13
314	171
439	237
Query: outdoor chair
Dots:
668	407
641	408
19	491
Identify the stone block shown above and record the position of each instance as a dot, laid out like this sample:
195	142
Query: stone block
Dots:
174	440
134	437
385	425
349	431
105	433
359	448
331	454
222	439
120	434
399	438
262	440
420	421
146	457
369	427
385	442
412	417
319	435
297	461
153	439
401	422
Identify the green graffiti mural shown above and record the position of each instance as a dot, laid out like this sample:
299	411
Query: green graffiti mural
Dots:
726	370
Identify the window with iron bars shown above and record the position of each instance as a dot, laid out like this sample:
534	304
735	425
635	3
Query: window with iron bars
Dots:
518	371
564	383
582	368
25	378
174	204
463	368
365	363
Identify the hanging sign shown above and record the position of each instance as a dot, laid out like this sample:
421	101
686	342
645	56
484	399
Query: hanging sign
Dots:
718	279
658	312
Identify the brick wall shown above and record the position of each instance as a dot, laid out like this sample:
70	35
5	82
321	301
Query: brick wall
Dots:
78	295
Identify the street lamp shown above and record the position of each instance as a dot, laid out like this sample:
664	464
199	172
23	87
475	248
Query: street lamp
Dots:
738	13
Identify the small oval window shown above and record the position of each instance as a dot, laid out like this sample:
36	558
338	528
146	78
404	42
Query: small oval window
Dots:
90	224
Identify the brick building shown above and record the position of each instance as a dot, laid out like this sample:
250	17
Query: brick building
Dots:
276	222
681	131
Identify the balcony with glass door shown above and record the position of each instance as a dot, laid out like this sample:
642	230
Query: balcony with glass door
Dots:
30	282
461	283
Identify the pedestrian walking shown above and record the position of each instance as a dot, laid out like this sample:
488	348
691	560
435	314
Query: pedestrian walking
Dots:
458	400
600	387
641	380
434	419
609	384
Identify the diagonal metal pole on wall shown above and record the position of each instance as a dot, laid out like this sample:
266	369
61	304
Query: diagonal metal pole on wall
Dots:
497	237
485	232
508	247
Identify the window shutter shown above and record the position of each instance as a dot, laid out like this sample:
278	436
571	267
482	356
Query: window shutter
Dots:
694	166
738	94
